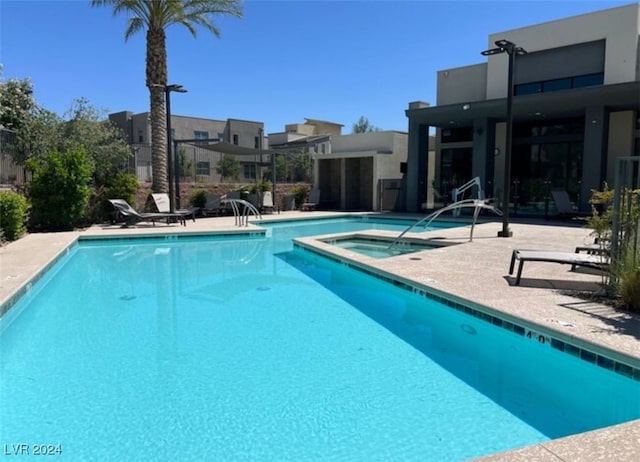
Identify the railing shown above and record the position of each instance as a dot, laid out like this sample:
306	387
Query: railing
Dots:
478	204
242	215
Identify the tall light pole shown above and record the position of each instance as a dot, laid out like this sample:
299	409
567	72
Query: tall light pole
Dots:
505	46
170	161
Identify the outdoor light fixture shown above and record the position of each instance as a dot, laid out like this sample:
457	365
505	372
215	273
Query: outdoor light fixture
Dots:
505	46
176	162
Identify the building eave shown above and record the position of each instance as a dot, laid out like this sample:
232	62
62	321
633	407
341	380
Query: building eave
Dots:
552	105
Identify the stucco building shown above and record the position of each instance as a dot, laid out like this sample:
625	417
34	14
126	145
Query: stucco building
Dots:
576	105
198	164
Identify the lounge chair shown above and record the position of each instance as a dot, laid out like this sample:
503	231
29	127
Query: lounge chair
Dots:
267	202
312	200
213	205
563	203
600	262
132	216
163	205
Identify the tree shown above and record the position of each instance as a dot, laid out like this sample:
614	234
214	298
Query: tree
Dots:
155	16
228	167
86	127
364	126
16	102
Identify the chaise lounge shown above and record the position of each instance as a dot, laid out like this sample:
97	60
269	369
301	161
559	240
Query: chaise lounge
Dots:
163	204
132	216
600	262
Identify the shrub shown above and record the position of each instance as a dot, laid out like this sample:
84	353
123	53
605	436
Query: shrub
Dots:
300	193
14	210
630	289
123	186
198	198
59	189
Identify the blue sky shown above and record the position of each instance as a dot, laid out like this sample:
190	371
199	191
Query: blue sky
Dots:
285	60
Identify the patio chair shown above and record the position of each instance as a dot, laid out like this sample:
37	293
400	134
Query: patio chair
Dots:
163	205
213	205
563	203
312	200
600	262
267	202
132	216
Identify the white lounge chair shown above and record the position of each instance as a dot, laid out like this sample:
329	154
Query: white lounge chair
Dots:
164	206
267	202
600	262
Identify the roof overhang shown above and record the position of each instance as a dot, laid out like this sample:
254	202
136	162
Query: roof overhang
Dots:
552	105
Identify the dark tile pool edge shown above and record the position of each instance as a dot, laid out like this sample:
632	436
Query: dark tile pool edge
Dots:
541	334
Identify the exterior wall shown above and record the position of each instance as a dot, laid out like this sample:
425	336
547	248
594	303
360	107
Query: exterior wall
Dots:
463	84
184	128
365	159
617	26
621	140
315	127
246	132
283	137
250	134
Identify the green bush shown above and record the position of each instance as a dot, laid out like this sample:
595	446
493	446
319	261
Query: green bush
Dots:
300	193
630	289
123	186
59	189
120	186
14	210
198	198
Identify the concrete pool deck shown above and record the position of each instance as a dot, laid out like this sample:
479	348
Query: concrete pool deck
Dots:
476	272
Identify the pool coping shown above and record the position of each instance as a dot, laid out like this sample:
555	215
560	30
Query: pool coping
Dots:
611	360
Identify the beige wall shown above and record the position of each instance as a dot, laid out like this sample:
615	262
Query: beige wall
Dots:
462	84
619	26
621	139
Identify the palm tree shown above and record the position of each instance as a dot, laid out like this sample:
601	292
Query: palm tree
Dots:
155	16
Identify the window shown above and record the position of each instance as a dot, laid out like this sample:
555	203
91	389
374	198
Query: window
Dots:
528	88
558	84
198	135
140	137
249	170
203	168
588	80
221	137
566	83
323	148
256	142
452	135
235	139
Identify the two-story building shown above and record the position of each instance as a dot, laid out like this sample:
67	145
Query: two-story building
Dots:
575	110
189	133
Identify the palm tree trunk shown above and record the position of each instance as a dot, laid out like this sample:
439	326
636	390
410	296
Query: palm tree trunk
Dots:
156	70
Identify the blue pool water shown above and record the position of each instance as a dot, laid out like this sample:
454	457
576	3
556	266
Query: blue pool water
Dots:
246	349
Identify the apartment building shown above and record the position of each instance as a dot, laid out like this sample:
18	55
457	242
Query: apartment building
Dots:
189	133
575	109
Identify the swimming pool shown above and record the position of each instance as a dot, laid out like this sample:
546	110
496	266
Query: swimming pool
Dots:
262	352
